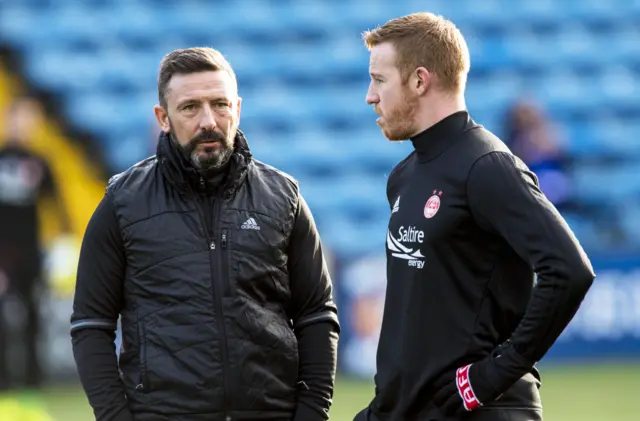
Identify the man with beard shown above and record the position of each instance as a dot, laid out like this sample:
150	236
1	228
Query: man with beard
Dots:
464	321
213	262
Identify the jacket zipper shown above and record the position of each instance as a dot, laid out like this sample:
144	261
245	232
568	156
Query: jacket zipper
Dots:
144	386
224	263
218	289
221	284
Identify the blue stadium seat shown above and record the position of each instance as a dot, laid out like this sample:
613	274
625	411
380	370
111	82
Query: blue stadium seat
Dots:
493	93
606	184
629	219
303	74
584	229
348	237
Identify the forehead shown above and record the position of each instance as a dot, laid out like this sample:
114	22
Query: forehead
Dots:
201	85
382	57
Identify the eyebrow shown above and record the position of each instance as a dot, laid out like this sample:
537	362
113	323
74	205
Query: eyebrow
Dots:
374	74
198	100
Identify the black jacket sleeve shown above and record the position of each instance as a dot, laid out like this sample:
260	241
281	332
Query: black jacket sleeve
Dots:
314	316
505	198
97	303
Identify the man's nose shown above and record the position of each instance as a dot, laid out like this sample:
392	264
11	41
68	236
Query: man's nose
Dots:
207	119
372	98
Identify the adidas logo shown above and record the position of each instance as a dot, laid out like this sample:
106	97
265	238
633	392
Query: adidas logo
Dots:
250	224
396	206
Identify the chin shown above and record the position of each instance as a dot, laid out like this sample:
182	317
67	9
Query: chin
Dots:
394	136
398	132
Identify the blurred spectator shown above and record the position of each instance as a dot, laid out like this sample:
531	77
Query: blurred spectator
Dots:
535	140
25	178
364	283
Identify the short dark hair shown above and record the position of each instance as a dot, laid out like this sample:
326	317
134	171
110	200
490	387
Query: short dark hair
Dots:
190	60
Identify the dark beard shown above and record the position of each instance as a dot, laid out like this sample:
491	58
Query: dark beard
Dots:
209	161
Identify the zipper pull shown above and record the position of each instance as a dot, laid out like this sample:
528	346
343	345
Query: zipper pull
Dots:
224	239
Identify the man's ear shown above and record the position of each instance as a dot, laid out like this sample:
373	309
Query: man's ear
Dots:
163	118
422	80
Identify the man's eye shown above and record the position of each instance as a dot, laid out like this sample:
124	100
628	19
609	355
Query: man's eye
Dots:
189	107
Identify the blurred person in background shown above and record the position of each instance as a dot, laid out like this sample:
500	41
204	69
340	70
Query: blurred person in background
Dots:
464	320
214	263
537	141
25	179
364	283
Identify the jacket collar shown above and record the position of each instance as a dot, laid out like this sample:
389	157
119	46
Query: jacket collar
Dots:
432	142
186	178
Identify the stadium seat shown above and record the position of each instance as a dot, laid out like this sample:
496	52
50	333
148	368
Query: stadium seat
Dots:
302	70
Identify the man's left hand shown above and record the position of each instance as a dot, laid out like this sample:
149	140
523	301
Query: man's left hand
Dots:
462	391
471	386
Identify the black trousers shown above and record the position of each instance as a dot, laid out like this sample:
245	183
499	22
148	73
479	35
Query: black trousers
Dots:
484	414
22	289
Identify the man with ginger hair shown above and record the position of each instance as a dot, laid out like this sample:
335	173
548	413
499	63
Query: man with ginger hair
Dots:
465	320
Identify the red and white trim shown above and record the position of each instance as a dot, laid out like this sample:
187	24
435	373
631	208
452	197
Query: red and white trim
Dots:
465	390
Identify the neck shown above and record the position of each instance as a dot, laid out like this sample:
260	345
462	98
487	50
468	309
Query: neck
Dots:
447	104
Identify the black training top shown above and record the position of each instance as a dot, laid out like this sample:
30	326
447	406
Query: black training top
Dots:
469	228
